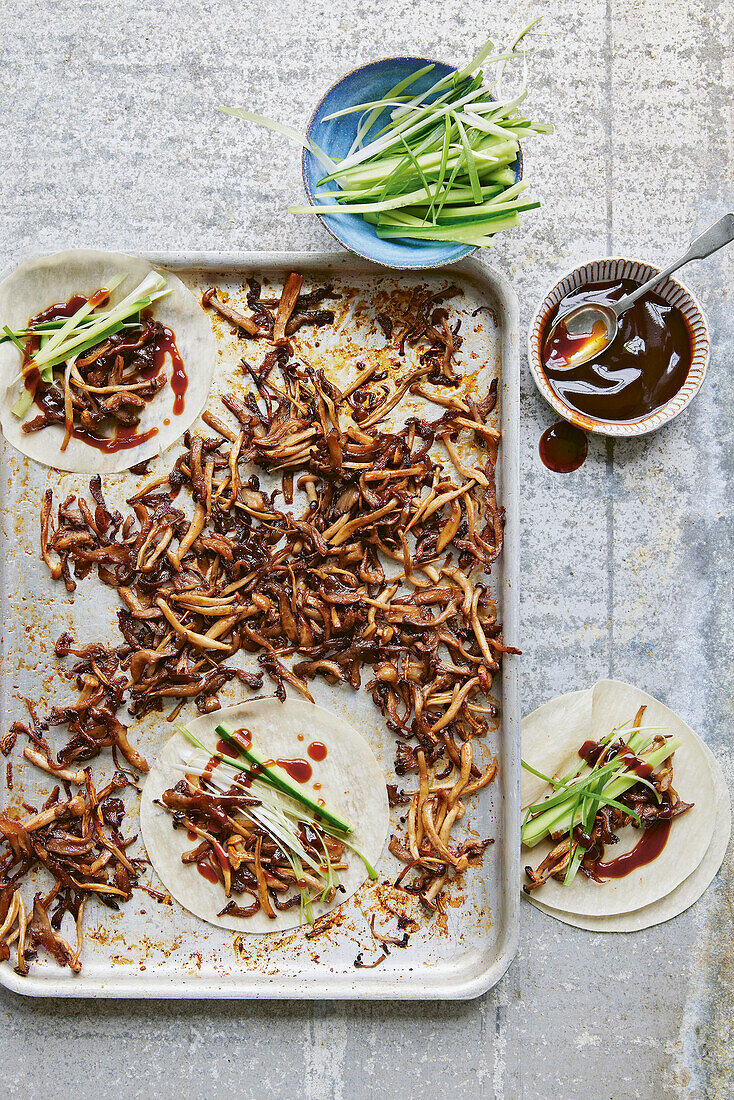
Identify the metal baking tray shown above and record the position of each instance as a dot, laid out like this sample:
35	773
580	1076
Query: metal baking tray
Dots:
156	950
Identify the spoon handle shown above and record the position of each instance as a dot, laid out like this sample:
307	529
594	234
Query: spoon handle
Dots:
714	238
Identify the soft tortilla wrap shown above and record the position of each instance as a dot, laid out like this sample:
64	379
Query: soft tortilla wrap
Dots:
39	283
612	704
352	784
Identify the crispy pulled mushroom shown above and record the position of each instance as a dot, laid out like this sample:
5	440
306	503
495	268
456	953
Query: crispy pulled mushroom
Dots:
293	310
78	841
384	567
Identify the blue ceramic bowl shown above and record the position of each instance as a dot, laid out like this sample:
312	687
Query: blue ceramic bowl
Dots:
364	85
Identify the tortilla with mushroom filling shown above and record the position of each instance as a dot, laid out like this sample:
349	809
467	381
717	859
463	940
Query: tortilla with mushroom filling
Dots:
612	704
351	784
40	283
683	896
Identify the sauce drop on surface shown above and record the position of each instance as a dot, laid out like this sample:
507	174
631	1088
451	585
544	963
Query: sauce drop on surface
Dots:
634	764
207	871
317	750
645	366
227	748
563	447
243	737
257	768
590	751
99	296
212	763
299	770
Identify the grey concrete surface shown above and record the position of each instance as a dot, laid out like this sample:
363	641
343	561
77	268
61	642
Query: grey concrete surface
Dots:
110	138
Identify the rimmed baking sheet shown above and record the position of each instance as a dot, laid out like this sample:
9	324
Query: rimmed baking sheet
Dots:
154	950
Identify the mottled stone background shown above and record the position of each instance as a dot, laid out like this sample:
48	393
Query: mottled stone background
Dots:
110	138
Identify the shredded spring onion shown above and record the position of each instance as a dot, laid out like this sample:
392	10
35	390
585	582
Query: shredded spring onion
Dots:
279	813
269	775
434	166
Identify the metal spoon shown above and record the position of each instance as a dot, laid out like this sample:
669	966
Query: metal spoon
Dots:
580	321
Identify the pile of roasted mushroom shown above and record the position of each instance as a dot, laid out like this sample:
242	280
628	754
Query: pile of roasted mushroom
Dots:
372	551
77	839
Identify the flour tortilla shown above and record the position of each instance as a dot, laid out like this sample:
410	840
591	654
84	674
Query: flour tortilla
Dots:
37	284
352	784
551	738
684	896
612	704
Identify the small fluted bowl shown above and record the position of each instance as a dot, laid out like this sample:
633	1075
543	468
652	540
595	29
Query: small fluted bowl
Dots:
364	85
670	291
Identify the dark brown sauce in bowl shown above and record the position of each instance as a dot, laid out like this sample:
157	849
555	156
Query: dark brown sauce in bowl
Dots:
642	370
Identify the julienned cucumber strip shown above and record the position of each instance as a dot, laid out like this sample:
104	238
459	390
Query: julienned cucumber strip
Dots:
275	779
558	819
479	233
23	404
67	340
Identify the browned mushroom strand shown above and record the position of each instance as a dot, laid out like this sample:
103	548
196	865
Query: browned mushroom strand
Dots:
385	563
